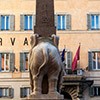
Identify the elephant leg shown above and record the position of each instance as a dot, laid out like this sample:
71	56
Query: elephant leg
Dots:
53	79
37	85
52	85
32	86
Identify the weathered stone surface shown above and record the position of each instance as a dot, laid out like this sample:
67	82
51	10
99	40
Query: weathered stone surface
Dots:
44	59
45	97
45	18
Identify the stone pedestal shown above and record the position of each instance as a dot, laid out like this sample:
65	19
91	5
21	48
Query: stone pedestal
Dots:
51	96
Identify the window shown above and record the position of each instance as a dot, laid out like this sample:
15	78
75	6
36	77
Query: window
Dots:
24	62
95	91
66	58
7	22
94	60
24	92
62	22
6	92
94	21
6	62
27	22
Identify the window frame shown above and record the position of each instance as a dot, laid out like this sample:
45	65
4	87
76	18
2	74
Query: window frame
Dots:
90	21
90	60
28	21
23	90
5	60
11	61
68	58
67	25
10	91
11	23
22	60
4	21
22	22
61	25
94	91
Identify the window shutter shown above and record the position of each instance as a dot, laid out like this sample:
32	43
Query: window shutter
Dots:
90	64
0	22
22	62
34	21
11	92
91	91
12	61
22	22
69	59
68	21
12	22
55	20
0	92
25	92
22	92
0	62
88	21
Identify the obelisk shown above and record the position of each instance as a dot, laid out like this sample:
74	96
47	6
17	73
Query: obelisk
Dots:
45	18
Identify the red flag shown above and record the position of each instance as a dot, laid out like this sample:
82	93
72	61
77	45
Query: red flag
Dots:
76	58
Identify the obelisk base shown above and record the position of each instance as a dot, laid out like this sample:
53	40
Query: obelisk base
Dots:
51	96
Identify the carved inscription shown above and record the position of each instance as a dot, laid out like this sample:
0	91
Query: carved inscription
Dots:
45	14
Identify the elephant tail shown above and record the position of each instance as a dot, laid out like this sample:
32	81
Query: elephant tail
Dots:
46	58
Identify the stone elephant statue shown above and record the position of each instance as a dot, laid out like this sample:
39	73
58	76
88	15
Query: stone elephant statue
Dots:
44	59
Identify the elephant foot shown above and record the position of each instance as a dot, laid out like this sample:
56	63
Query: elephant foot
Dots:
36	93
54	93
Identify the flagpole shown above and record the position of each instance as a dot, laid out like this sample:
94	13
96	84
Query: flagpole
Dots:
65	47
65	55
79	56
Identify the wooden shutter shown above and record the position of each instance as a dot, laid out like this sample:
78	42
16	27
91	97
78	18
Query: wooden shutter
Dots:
22	22
69	59
12	22
68	22
34	21
88	21
0	62
0	22
55	16
25	91
11	92
12	61
22	62
90	61
91	91
22	92
0	92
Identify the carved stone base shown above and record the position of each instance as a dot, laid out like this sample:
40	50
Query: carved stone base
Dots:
45	96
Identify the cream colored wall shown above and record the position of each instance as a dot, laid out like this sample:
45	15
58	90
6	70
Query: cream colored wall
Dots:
18	44
17	7
78	10
16	84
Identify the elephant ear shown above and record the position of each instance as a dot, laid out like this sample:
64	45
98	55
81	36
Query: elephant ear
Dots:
55	40
33	40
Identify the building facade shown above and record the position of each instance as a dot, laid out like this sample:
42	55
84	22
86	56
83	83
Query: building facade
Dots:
76	21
